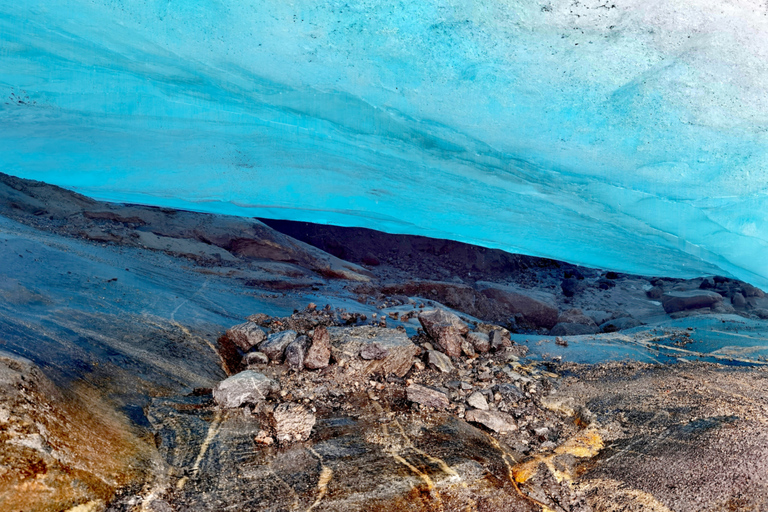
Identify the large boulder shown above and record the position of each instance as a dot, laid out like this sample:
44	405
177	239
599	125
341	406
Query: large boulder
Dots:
534	313
275	345
319	352
246	336
445	329
695	299
246	388
348	342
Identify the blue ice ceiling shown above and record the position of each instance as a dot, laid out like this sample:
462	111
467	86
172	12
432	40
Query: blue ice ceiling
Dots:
628	134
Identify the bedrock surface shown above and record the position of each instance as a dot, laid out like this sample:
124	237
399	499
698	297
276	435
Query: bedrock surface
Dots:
626	135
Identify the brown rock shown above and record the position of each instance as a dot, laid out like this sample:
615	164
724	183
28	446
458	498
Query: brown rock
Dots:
246	336
427	396
498	340
319	352
445	329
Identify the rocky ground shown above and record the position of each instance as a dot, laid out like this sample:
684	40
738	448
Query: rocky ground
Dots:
163	360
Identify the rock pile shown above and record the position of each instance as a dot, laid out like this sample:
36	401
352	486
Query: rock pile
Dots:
313	360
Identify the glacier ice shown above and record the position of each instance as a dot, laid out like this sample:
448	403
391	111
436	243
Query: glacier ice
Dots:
626	134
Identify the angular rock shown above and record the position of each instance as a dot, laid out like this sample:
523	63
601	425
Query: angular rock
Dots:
445	329
619	324
494	420
439	361
348	342
479	341
255	358
248	387
427	396
533	312
292	422
373	351
319	352
498	340
695	299
246	336
296	351
510	392
274	346
478	401
467	348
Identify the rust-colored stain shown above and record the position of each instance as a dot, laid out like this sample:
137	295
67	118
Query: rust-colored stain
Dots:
65	452
585	444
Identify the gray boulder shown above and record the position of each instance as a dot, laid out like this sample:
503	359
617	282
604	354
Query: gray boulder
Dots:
694	299
275	345
494	420
296	351
248	387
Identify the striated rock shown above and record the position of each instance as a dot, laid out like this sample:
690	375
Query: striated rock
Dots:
373	351
619	324
292	422
252	358
494	420
478	401
439	361
248	387
319	352
479	341
348	342
246	336
695	299
275	345
296	351
427	396
445	328
533	312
